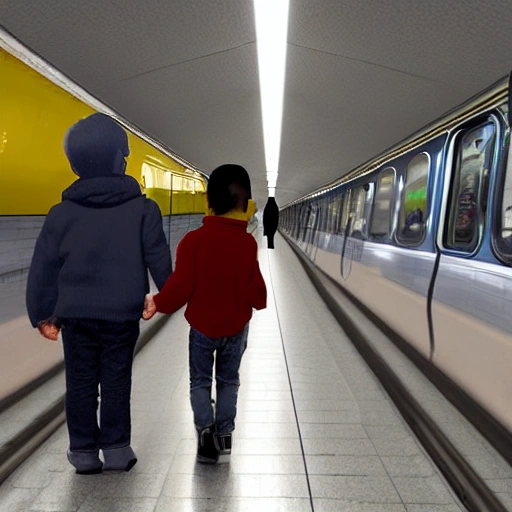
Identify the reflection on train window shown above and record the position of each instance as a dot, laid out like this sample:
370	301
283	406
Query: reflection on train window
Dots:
413	204
334	212
312	215
156	177
340	200
380	222
469	187
504	238
357	213
324	205
345	210
309	215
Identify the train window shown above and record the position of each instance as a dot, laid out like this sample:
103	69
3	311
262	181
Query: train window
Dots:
345	211
327	206
358	197
338	201
334	211
413	204
380	222
502	236
329	214
325	214
320	214
312	215
339	228
504	232
468	194
309	218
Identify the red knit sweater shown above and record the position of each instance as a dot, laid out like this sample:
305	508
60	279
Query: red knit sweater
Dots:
218	276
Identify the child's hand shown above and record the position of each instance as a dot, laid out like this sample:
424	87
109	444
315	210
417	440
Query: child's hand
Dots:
149	307
48	330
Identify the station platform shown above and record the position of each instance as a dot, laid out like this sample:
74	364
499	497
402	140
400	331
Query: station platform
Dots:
315	429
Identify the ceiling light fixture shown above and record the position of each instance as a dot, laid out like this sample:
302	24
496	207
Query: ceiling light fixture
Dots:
271	38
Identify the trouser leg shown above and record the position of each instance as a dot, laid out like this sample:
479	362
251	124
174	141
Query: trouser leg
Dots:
228	360
201	349
82	350
118	340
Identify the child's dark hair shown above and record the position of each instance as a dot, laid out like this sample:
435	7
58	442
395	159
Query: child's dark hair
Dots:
229	187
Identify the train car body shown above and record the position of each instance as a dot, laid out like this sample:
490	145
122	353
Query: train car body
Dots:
421	236
35	115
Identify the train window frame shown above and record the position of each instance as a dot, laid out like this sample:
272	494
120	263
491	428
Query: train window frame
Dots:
498	214
329	214
325	219
447	220
362	210
339	229
334	209
402	187
345	211
320	203
380	237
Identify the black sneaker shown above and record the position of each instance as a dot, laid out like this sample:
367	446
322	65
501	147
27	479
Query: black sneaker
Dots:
207	448
224	441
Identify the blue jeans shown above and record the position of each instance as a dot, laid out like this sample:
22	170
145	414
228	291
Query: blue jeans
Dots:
228	356
98	353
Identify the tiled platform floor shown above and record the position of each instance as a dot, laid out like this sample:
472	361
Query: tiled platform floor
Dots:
315	429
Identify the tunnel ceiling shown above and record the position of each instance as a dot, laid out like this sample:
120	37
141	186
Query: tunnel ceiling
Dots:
361	74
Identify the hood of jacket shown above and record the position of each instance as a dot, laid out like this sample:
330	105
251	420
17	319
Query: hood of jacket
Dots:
103	192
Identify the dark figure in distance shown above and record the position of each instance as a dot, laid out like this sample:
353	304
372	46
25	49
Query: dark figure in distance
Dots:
270	221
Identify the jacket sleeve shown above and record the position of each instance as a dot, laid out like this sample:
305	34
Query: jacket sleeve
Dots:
42	284
178	289
156	252
257	287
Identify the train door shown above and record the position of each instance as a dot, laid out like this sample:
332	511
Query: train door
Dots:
471	302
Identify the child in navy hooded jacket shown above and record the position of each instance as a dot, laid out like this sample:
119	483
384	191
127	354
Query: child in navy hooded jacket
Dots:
89	275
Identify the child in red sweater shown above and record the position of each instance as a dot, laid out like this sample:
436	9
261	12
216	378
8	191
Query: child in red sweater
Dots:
217	275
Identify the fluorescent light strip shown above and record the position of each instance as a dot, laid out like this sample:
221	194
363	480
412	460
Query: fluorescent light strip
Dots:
271	37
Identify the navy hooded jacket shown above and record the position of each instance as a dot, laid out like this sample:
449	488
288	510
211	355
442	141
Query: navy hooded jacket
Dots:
92	256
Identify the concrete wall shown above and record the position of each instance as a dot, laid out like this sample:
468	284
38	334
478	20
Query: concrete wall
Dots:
17	240
18	236
24	355
180	225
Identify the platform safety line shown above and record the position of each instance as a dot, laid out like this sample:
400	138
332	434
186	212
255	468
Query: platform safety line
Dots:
291	388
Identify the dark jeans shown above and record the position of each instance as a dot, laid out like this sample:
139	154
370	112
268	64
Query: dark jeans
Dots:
98	353
228	356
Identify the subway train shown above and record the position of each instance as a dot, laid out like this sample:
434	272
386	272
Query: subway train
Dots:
421	236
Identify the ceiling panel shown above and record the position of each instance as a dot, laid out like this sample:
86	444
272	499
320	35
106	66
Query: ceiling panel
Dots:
361	74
